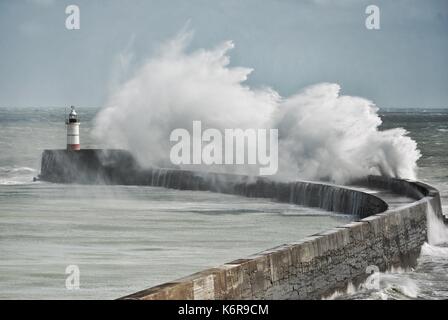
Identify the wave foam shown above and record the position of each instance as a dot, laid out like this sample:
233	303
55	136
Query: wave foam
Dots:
13	175
323	135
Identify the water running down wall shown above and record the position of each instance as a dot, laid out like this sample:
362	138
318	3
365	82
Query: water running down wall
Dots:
310	268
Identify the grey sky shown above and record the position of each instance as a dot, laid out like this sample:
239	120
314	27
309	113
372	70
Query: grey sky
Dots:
290	44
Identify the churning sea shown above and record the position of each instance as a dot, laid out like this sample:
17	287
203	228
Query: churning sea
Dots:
125	238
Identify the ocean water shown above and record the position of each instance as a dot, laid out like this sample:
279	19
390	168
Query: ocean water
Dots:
122	238
429	279
430	129
125	238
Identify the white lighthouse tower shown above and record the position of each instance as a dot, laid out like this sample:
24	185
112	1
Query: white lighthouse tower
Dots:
73	130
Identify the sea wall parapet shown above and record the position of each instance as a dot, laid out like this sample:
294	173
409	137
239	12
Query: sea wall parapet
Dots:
310	268
119	167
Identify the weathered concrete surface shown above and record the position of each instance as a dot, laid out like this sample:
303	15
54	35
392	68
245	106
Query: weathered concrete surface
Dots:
119	167
308	269
318	265
87	166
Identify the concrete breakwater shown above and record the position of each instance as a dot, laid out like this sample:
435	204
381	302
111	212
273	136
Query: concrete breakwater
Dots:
119	167
309	268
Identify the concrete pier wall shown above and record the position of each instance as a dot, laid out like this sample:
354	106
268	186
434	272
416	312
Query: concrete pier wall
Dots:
119	167
307	269
87	166
318	265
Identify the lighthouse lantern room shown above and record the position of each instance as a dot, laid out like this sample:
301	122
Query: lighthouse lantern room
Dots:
73	130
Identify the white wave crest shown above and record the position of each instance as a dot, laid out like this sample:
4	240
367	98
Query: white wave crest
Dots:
322	134
13	175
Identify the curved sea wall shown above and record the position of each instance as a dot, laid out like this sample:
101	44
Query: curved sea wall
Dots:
307	269
119	167
318	265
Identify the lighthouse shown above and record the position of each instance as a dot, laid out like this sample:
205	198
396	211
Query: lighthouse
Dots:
73	130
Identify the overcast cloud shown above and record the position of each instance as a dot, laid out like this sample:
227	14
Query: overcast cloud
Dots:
289	44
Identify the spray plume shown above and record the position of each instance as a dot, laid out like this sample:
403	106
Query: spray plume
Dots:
322	135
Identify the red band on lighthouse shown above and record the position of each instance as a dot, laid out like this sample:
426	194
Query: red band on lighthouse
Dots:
73	131
74	147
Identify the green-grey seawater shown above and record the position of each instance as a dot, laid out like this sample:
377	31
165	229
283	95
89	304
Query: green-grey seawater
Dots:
127	238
